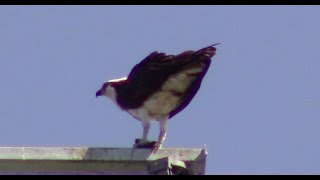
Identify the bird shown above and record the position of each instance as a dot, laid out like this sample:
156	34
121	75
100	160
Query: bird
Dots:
158	88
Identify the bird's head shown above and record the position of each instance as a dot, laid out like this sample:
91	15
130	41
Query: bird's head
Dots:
108	88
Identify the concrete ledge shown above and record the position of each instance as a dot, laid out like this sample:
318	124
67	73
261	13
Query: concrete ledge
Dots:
87	160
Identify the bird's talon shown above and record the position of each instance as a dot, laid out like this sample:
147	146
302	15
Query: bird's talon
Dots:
139	143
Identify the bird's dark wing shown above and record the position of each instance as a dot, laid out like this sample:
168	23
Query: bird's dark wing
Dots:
151	73
147	77
201	58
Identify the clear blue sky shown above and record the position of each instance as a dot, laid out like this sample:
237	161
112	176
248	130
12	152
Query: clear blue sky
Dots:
257	112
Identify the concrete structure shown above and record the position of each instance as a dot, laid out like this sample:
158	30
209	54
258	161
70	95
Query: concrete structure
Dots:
107	161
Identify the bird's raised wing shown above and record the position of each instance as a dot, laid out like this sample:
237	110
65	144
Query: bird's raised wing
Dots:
199	59
151	73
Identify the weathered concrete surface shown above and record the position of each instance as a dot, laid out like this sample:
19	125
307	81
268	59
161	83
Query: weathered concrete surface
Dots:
87	160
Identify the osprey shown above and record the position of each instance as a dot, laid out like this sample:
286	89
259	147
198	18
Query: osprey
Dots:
158	88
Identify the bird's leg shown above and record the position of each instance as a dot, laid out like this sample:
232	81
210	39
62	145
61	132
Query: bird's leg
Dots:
146	127
143	143
163	132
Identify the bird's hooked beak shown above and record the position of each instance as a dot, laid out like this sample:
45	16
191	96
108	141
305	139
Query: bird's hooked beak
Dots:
99	93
